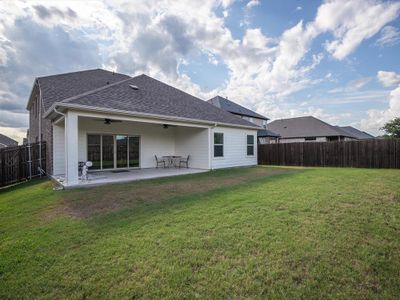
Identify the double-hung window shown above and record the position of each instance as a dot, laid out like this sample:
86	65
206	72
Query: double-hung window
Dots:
250	144
218	144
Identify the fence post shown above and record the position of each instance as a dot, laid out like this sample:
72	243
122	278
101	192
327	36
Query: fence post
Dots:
30	160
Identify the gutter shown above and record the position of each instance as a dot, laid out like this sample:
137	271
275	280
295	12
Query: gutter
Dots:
142	115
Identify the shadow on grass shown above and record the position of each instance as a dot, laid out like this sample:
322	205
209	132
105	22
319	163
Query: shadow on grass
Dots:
23	185
149	212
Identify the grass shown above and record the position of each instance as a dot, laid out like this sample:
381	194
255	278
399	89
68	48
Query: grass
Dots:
241	233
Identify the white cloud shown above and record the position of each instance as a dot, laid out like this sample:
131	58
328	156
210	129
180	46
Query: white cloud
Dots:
352	22
253	3
389	36
357	84
388	78
16	134
299	8
377	118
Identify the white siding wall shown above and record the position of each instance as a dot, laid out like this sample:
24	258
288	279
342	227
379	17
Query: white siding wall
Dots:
235	148
58	150
193	141
154	139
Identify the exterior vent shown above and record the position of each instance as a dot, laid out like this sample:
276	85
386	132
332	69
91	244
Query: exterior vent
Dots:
134	87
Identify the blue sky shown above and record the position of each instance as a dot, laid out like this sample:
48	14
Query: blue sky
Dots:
337	60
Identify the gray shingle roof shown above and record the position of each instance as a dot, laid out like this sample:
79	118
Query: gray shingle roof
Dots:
7	141
305	127
266	133
56	88
358	134
234	108
153	97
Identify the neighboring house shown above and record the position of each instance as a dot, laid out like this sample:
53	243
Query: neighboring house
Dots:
266	136
122	122
308	129
5	141
263	135
358	134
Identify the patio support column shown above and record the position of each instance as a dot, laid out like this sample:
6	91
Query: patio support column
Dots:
71	148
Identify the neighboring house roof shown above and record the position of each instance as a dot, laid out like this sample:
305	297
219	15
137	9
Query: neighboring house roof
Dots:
7	141
152	97
305	127
234	108
56	88
358	134
267	133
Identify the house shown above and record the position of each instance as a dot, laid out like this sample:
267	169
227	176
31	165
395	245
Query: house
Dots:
120	123
6	141
264	135
308	129
358	134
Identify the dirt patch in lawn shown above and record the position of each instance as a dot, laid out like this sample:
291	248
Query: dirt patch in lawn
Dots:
84	203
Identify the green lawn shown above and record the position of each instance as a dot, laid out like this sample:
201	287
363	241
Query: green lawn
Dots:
242	233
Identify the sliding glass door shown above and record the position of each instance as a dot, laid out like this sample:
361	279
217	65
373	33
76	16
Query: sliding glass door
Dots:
108	152
122	151
133	151
113	151
94	151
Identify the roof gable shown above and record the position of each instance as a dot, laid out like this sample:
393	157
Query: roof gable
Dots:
234	108
153	97
56	88
305	127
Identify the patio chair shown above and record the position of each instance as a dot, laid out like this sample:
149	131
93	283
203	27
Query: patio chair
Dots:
160	161
184	161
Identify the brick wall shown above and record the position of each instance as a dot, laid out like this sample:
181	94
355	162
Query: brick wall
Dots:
47	130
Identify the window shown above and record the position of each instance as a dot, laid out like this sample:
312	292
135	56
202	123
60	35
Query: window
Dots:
218	144
250	145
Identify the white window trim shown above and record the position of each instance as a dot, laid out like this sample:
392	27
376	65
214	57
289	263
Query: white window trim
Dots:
253	144
223	146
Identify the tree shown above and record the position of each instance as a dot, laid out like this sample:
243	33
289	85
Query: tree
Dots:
392	128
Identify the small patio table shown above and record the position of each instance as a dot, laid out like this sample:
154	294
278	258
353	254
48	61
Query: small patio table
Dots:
171	160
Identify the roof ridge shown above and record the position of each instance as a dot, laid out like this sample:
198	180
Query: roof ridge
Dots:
80	71
197	98
95	90
231	103
281	119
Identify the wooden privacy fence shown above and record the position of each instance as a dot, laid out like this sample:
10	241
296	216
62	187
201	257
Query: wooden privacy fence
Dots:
372	153
21	162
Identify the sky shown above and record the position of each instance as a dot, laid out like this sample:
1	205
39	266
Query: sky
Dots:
336	60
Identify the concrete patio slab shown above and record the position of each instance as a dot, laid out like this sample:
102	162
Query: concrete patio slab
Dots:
107	177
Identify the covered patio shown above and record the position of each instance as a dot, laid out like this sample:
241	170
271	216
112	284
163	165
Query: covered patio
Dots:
119	176
122	148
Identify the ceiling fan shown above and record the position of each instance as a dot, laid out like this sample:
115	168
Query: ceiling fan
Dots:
166	126
109	121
